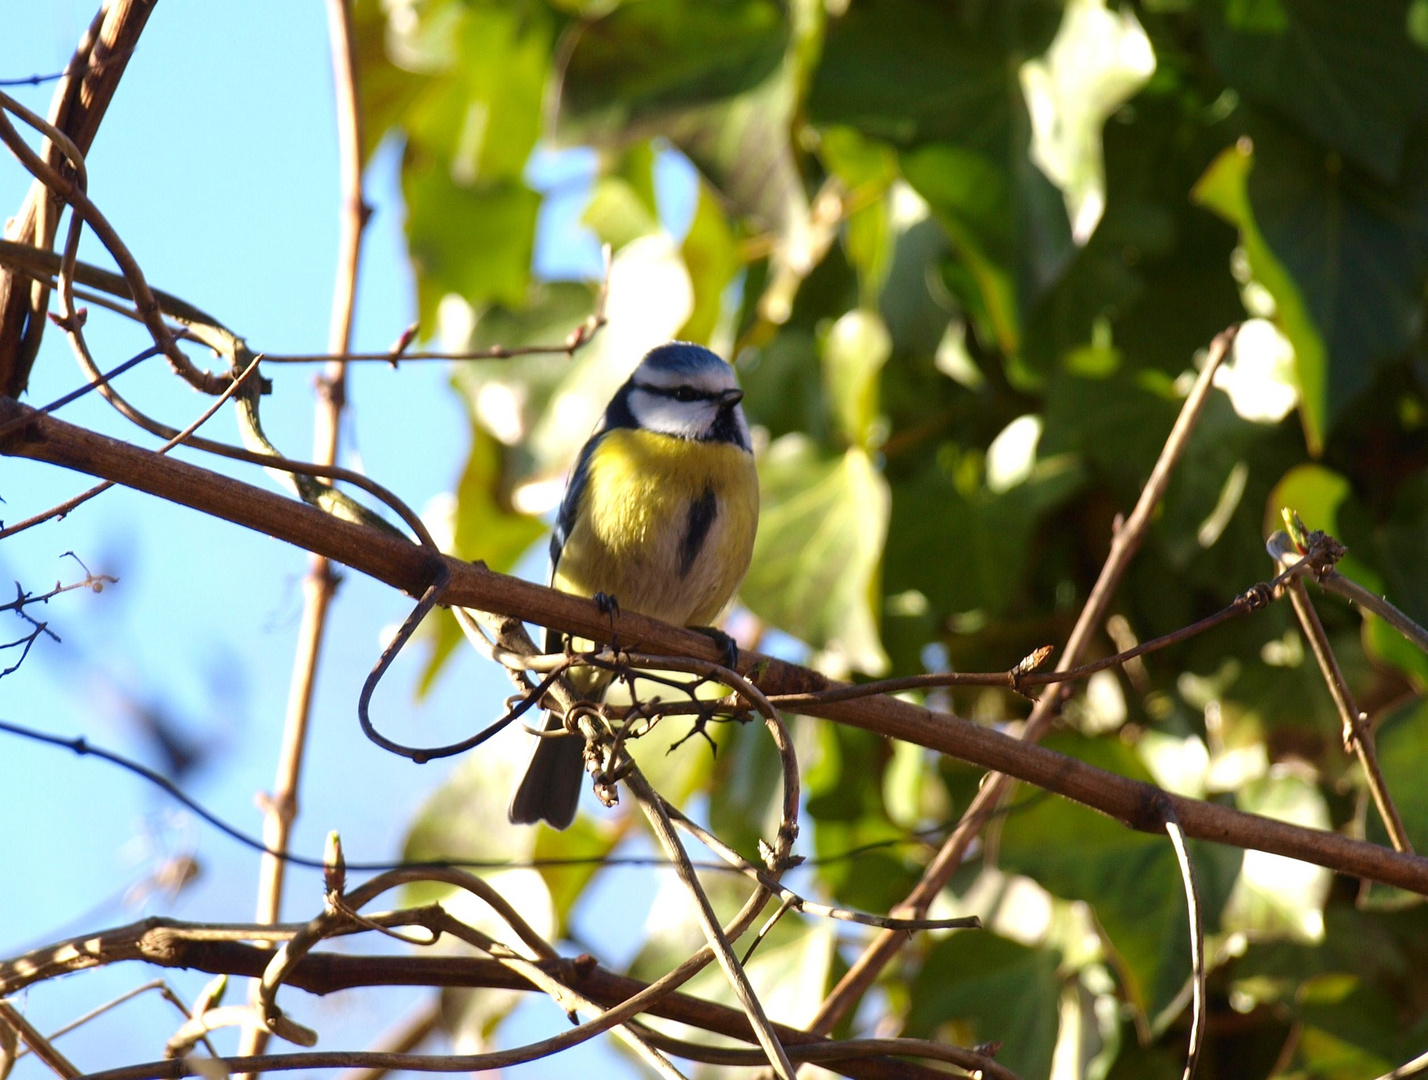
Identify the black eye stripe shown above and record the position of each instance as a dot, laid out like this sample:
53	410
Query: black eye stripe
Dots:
679	393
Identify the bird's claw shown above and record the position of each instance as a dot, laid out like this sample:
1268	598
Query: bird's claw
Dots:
727	645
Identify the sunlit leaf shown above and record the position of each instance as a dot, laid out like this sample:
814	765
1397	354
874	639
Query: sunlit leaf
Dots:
584	839
618	214
1130	879
1276	896
1224	190
854	352
475	241
1097	61
867	168
822	523
711	255
943	90
1343	256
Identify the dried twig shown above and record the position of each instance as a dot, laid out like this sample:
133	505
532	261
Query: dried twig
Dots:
1334	581
38	1044
178	439
1124	544
1198	1013
280	807
80	101
1357	736
663	828
406	566
144	301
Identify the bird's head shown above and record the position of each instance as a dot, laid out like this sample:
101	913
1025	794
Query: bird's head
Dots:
689	392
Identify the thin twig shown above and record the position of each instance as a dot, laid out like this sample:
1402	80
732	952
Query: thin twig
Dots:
144	301
1198	1012
93	384
1417	1067
179	438
1124	544
1335	582
1356	735
663	828
38	1044
77	107
409	1034
280	808
165	991
405	566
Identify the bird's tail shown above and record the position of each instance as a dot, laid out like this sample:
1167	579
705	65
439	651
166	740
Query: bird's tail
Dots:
550	787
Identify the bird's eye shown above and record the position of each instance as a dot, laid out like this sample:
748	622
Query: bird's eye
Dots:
686	393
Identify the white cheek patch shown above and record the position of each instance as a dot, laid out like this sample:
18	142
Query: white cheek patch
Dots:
683	419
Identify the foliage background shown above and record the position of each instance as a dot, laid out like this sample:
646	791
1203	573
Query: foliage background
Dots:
965	255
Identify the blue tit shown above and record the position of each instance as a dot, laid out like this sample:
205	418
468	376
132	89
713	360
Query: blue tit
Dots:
659	514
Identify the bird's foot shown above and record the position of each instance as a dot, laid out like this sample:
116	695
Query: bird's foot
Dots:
610	608
727	645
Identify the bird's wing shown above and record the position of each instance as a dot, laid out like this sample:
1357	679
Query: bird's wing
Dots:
566	517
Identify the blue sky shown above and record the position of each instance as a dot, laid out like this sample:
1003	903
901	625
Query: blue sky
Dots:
216	164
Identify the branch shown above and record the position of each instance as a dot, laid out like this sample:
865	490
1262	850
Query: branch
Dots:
280	809
221	948
1356	736
38	1044
408	567
1125	542
79	104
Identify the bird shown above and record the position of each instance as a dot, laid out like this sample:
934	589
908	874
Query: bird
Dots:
659	517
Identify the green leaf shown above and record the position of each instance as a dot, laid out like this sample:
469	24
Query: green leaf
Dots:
910	72
867	168
822	525
484	528
584	839
1350	1030
1097	62
1275	896
465	83
711	255
1357	250
748	776
1130	879
644	61
993	531
742	148
865	866
854	352
944	90
1402	740
617	213
1347	73
475	241
465	819
1224	189
1007	992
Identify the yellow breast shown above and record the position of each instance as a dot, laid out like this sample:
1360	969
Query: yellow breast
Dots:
631	538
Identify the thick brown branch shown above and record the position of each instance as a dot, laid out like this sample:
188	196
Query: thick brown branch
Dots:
80	102
406	566
173	944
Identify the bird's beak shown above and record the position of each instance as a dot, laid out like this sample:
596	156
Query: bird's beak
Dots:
731	397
